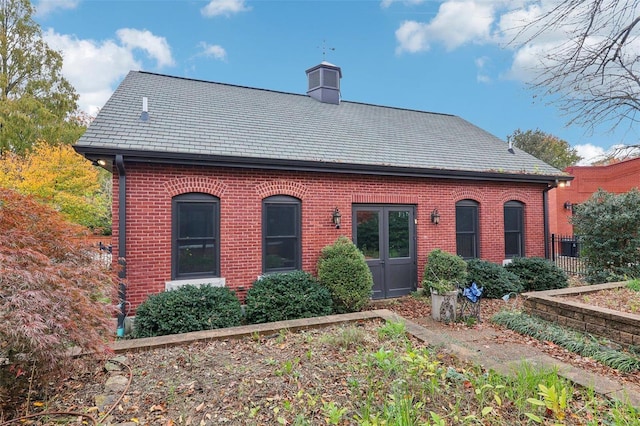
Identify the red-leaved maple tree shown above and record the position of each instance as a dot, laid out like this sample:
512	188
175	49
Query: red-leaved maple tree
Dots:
54	295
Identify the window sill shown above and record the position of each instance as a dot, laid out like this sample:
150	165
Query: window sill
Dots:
175	284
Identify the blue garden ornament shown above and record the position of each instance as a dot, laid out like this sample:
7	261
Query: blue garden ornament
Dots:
473	292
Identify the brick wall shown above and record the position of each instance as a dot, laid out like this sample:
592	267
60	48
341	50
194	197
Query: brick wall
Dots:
151	187
617	178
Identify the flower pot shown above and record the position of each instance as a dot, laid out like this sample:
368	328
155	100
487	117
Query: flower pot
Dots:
444	305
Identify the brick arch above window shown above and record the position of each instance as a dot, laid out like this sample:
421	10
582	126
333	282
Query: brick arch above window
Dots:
281	187
201	184
467	194
520	196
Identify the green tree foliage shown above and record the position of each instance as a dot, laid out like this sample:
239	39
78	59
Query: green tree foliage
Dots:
548	148
343	269
36	101
285	296
58	176
54	295
609	225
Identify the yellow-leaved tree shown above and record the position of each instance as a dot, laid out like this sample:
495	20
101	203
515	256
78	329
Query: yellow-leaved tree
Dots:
63	179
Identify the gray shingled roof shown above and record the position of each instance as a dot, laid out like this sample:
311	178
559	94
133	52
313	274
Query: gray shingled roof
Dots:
190	117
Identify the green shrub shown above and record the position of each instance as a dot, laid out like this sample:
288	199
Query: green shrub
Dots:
285	296
444	271
538	274
343	269
186	309
609	225
494	279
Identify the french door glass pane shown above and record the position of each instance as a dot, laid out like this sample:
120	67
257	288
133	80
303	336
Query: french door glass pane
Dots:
398	234
368	233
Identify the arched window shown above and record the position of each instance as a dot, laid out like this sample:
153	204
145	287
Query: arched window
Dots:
281	240
195	236
513	229
467	238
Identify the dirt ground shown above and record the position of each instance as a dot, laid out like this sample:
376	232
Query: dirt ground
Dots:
619	299
259	380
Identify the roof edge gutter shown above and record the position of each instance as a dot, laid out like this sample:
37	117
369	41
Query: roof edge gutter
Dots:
314	166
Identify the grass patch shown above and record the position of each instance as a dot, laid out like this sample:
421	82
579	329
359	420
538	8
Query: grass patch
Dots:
576	342
634	285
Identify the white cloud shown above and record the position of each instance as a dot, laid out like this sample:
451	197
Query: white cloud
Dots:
482	65
497	22
45	7
589	153
456	23
412	37
224	7
527	61
213	51
92	67
95	67
155	46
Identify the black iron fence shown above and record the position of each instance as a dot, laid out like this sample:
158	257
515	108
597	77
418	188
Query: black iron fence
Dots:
103	254
565	253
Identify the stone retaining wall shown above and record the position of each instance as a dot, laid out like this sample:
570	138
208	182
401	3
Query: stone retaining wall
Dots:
620	327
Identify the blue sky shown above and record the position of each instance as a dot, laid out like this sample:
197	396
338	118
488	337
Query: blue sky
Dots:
439	56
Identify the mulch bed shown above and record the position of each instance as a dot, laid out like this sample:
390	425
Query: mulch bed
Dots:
251	380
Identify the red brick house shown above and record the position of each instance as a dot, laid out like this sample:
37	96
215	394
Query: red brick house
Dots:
617	178
215	183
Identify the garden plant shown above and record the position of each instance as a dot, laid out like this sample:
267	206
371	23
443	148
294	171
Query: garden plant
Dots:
343	269
609	226
188	308
54	295
285	296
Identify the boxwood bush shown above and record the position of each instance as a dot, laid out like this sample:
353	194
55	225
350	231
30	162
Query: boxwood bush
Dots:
343	269
444	271
538	274
188	308
495	279
285	296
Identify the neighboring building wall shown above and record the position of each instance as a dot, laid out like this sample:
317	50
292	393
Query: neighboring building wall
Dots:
617	178
241	191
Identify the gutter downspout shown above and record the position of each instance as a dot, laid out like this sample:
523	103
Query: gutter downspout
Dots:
545	215
122	243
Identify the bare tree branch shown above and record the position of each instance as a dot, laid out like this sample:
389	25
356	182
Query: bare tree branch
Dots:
594	73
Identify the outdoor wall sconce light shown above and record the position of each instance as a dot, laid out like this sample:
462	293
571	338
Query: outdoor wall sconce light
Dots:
336	218
435	217
99	162
568	205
